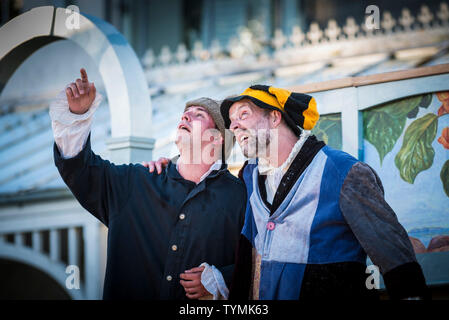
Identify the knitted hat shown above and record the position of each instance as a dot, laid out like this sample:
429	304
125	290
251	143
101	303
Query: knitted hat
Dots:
213	108
299	110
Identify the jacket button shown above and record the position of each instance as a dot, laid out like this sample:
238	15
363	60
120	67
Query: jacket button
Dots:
174	247
271	225
182	216
169	278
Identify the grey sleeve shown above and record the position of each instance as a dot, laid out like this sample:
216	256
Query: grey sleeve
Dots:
372	220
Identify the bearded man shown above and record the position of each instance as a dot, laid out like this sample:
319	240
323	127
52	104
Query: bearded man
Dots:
313	213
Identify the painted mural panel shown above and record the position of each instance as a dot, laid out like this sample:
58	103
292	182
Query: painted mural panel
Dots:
328	129
407	142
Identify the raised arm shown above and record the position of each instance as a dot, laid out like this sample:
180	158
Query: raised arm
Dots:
71	114
101	187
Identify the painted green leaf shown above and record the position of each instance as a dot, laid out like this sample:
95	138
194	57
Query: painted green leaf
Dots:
402	107
444	175
383	125
328	129
417	153
426	100
412	114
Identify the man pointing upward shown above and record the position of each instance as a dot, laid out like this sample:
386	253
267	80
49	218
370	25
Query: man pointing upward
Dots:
161	227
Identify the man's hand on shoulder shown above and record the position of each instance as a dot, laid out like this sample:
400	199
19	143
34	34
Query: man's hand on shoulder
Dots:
80	94
159	164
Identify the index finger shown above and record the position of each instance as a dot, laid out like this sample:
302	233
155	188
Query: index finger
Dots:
84	75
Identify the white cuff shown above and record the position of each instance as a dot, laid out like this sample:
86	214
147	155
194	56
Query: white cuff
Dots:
60	112
71	130
213	281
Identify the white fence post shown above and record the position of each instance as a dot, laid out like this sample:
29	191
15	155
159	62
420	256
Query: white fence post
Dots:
36	241
55	238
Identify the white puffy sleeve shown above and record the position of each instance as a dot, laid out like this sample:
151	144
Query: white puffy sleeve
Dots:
71	130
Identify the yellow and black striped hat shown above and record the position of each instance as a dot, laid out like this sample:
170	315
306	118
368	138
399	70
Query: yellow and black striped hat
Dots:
298	109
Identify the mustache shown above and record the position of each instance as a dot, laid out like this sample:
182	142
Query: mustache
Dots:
242	135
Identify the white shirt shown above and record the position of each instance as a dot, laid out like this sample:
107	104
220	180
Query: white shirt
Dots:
274	175
71	130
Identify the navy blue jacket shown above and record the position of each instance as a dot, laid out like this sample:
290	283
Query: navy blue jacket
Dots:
159	225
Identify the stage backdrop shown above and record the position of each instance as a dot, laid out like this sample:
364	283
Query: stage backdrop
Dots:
407	142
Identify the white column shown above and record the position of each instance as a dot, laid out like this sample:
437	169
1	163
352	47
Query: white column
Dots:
351	124
130	149
36	241
19	239
55	245
351	131
91	234
73	247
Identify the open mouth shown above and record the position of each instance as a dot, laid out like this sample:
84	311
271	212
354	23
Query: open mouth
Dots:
243	138
184	127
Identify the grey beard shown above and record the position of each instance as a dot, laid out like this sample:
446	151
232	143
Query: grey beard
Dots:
257	149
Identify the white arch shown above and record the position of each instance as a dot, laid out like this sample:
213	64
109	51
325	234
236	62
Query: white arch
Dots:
41	262
118	65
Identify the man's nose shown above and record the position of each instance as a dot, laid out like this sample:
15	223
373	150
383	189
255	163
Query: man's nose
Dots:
186	117
234	126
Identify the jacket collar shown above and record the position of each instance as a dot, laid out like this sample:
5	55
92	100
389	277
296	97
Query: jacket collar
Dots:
302	160
215	170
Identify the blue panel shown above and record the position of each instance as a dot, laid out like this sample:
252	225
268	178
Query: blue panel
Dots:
280	281
249	228
331	239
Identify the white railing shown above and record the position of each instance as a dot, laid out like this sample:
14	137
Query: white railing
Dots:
250	50
37	237
58	235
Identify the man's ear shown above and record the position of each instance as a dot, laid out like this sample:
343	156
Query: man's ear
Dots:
275	118
218	140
